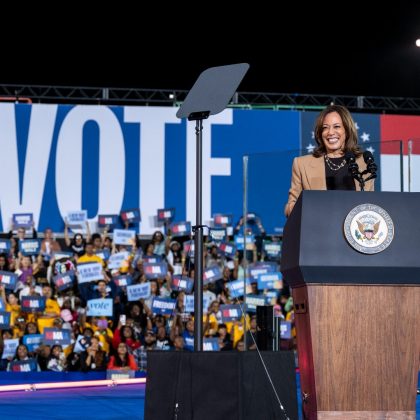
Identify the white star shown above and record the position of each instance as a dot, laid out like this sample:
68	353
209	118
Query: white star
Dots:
370	149
365	137
310	147
357	125
312	134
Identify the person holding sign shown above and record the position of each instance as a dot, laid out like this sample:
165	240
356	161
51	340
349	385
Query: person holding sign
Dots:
327	167
22	355
122	360
21	232
77	244
94	358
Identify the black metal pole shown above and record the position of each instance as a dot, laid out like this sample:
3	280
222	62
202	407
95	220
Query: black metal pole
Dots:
198	244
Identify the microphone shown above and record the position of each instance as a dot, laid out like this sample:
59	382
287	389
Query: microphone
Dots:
370	163
353	166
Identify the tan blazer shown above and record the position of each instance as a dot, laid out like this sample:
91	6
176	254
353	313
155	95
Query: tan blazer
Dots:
308	173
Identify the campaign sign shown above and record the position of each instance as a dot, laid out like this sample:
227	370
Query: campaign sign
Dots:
230	312
131	216
163	306
227	249
252	301
56	336
286	330
103	253
100	307
25	220
77	218
122	280
30	247
152	260
115	260
89	272
123	236
180	229
222	220
165	215
258	268
182	283
189	248
28	365
33	303
32	341
8	280
272	249
138	291
212	274
4	320
109	220
58	255
189	303
82	343
64	281
270	281
239	241
155	270
218	234
4	246
211	344
9	348
1	305
236	288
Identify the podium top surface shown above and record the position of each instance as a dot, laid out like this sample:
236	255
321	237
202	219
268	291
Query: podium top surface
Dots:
315	248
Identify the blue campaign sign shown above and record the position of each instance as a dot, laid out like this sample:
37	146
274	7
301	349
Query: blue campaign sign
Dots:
230	312
89	272
116	260
33	303
58	255
211	344
180	229
100	307
222	220
212	274
163	306
24	220
227	249
131	215
30	247
8	279
270	281
64	281
189	248
109	220
239	241
138	291
32	341
252	301
258	268
286	330
272	249
166	215
152	260
4	246
53	336
77	218
218	234
4	320
122	280
183	283
189	303
103	253
28	365
236	288
123	236
155	270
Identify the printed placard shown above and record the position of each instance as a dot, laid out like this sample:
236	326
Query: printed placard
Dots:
227	249
165	215
33	303
9	348
286	330
8	279
272	249
30	247
4	246
222	220
100	307
109	220
211	344
261	268
122	280
212	274
180	229
189	303
155	270
152	260
123	236
104	254
236	288
32	341
163	306
82	343
182	283
76	218
131	215
89	272
230	312
239	242
138	291
270	281
189	248
218	234
64	281
28	365
58	255
2	305
116	260
22	220
4	320
53	336
252	301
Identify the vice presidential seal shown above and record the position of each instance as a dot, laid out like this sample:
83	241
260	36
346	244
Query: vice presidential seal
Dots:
369	229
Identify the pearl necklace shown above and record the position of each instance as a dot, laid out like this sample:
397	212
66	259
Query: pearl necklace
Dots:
333	166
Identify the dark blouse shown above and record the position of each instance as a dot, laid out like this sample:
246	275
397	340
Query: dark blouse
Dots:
340	179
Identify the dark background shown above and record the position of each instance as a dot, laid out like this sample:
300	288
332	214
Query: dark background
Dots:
354	48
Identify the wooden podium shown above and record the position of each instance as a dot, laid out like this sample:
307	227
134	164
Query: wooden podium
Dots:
357	315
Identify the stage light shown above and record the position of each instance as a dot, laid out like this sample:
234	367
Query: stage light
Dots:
418	42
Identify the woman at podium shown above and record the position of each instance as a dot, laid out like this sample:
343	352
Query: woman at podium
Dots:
336	163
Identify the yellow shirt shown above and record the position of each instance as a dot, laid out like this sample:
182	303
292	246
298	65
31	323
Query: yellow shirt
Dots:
51	307
14	312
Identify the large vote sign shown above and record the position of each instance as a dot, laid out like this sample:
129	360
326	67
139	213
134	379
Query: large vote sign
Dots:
100	307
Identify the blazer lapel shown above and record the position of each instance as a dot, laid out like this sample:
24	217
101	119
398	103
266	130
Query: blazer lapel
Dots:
316	174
